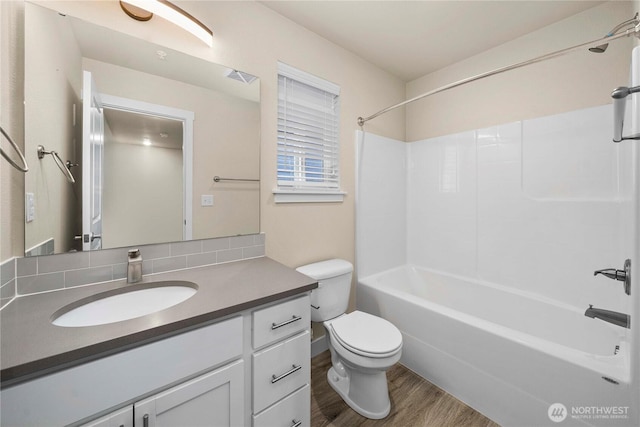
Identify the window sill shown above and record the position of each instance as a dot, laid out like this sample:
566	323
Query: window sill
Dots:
307	196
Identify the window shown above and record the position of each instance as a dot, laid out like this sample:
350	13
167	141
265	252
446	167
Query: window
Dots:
308	149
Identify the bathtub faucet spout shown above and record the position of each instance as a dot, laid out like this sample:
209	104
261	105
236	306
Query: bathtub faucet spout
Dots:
614	317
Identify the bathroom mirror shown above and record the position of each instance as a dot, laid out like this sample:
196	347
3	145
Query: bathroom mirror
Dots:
163	124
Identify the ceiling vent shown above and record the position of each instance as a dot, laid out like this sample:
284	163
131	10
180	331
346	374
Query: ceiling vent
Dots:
241	76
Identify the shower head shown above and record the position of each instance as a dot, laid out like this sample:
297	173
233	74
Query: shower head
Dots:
601	48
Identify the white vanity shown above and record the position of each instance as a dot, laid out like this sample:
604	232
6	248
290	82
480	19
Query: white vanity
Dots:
249	366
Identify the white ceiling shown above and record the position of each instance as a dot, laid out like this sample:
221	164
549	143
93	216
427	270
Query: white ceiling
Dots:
132	128
113	47
413	38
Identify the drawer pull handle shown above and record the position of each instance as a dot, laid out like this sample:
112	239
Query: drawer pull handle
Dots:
316	307
295	423
294	368
286	322
145	420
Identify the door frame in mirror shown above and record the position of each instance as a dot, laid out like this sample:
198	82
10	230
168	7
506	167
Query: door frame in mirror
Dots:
186	117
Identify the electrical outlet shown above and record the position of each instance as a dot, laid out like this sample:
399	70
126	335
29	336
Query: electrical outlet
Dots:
206	200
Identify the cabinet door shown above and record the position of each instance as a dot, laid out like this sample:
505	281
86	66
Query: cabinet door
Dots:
120	418
213	399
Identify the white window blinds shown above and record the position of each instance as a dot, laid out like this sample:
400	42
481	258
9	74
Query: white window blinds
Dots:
308	112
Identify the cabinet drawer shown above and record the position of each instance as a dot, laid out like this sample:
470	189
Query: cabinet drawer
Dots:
293	410
281	320
280	370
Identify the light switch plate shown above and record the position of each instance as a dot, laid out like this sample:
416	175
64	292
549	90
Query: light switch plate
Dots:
206	200
30	207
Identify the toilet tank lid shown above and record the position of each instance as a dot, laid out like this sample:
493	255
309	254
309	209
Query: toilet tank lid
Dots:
326	269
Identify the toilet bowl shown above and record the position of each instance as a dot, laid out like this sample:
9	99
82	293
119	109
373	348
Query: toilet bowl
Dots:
362	346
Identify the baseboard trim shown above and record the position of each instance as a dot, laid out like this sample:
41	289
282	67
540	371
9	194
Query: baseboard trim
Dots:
318	345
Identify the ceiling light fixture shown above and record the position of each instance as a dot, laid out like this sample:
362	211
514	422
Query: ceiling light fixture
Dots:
135	12
171	13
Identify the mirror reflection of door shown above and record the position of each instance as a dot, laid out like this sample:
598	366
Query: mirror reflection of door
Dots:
143	180
93	152
133	188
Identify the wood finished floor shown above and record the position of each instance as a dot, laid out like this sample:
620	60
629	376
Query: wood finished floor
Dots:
415	402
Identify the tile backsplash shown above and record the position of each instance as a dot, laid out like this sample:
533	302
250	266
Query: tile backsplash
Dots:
7	281
30	275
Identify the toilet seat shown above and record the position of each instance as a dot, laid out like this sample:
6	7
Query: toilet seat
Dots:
366	335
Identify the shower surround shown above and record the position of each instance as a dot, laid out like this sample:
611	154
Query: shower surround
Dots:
475	244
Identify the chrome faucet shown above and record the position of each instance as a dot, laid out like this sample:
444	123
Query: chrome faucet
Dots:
134	266
614	317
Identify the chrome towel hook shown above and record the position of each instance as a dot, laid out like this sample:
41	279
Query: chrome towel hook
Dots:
15	147
56	158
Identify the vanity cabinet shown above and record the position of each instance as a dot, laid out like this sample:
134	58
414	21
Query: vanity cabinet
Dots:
212	399
77	393
282	364
252	367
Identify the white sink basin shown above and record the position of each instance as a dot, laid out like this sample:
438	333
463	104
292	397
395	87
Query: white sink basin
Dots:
124	303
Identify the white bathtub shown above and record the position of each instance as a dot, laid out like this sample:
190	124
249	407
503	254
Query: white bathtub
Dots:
508	355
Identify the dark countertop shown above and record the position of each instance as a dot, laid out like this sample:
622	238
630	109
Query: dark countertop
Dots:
31	345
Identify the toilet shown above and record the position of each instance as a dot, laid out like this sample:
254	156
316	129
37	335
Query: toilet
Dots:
362	346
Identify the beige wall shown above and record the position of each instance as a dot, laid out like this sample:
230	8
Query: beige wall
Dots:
53	76
573	81
254	38
12	120
251	37
636	8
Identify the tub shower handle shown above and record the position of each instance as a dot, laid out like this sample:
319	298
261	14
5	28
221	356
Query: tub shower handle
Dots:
611	273
621	275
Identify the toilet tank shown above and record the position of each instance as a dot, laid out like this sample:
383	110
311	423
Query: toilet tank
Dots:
331	298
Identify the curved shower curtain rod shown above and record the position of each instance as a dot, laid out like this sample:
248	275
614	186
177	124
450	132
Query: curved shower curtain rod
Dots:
631	31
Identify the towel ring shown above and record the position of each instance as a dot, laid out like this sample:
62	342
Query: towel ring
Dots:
24	168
